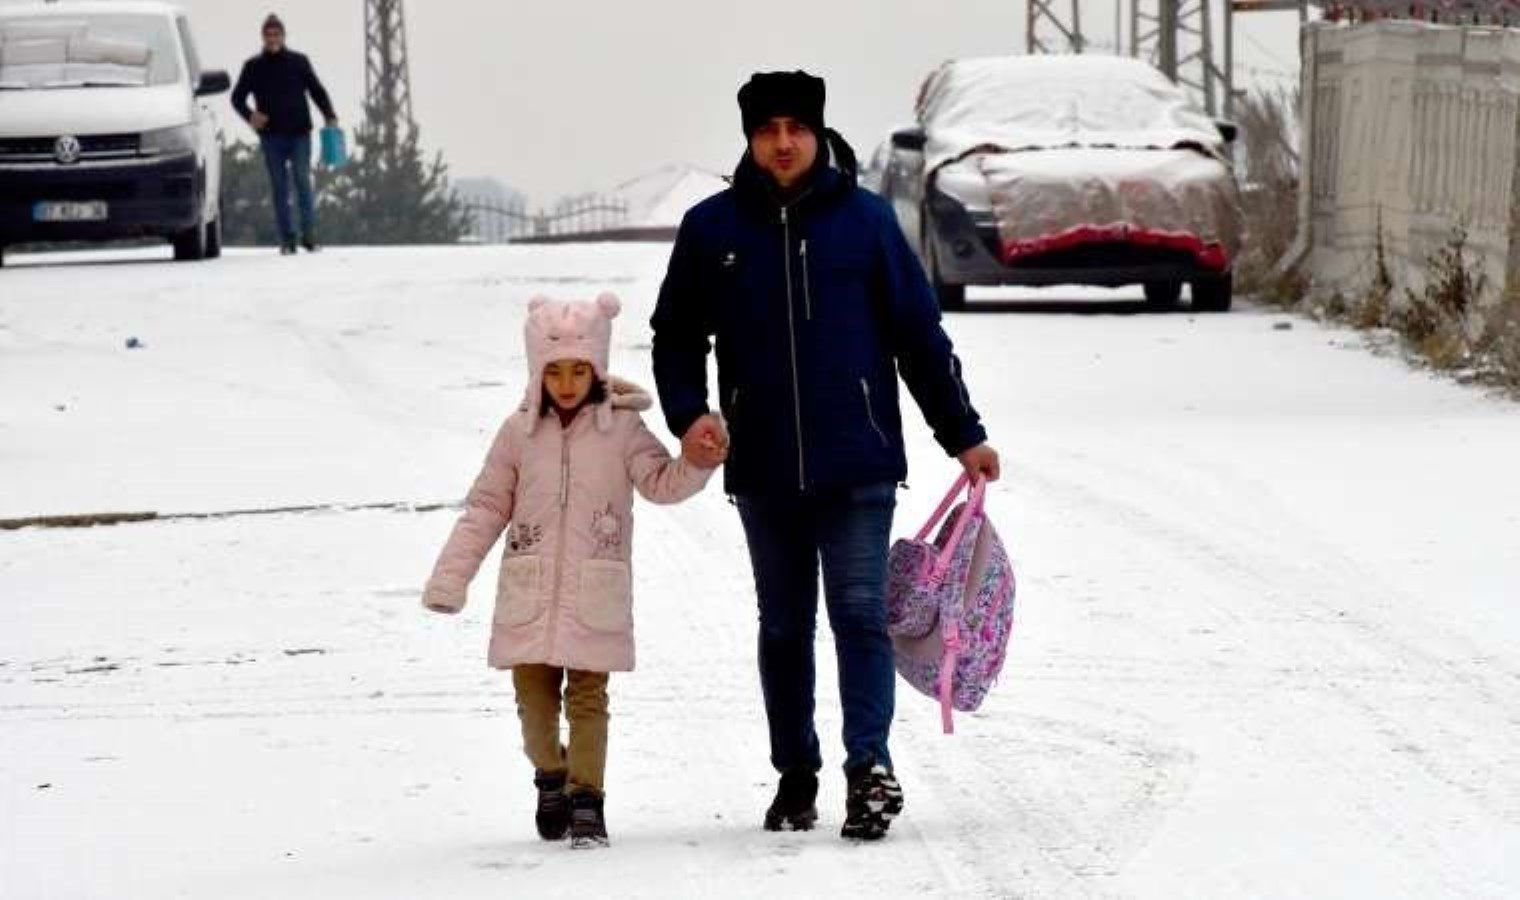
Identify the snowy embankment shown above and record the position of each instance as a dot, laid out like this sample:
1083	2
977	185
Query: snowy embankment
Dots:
1269	641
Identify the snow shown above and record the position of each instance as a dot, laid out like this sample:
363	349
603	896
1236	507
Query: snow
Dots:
1050	101
1268	640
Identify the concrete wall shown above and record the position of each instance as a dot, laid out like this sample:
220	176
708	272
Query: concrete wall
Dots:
1416	125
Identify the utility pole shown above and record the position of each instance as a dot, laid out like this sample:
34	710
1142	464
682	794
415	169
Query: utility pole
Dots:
1047	31
1177	36
387	78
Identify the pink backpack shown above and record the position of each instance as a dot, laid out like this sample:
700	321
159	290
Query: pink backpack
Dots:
950	604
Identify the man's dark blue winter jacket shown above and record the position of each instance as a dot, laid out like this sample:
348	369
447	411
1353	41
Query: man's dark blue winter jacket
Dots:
280	83
817	306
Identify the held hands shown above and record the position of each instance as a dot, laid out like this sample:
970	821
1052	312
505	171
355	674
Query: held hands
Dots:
981	461
258	120
706	442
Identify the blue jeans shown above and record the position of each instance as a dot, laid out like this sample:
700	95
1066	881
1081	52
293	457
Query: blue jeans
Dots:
288	158
848	531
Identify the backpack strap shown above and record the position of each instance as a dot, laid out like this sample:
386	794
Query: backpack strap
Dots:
950	633
944	507
974	508
947	663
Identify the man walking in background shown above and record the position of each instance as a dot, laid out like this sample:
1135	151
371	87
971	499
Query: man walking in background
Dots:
817	304
280	80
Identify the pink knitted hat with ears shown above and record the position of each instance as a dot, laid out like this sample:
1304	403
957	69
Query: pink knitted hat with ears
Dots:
560	330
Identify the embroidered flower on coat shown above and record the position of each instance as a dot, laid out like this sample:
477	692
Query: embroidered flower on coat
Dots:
523	537
607	529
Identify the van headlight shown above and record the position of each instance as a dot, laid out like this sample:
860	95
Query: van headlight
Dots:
168	141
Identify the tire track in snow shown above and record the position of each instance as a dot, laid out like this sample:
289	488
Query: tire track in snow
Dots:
1283	573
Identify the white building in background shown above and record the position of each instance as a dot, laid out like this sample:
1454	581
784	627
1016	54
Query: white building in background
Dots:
658	200
647	208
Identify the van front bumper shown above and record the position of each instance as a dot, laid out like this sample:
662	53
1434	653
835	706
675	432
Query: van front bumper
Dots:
144	198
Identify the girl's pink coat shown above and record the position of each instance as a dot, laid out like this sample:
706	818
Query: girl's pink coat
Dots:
564	590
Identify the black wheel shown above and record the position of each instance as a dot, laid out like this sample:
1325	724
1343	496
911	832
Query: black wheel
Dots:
214	238
952	297
2	257
1162	294
190	244
1214	293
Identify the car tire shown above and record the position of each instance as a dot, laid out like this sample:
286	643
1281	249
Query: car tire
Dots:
214	239
952	297
190	244
2	257
1214	293
1163	294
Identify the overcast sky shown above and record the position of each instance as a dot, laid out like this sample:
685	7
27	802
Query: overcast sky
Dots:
562	96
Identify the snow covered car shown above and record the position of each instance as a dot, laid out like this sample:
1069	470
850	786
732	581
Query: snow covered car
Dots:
1045	170
105	129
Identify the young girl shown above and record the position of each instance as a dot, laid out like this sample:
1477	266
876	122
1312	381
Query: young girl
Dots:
562	472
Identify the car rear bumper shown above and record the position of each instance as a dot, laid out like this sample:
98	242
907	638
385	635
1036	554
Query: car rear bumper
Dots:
148	198
969	252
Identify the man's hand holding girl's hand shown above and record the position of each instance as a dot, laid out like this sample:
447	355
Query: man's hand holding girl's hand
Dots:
706	442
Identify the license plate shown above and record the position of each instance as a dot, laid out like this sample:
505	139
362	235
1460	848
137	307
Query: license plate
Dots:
87	211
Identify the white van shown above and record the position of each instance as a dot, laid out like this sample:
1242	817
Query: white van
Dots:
105	129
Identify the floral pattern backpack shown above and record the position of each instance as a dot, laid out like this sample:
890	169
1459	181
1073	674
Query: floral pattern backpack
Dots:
950	604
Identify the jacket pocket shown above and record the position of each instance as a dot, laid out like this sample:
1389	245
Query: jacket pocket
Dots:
605	599
518	597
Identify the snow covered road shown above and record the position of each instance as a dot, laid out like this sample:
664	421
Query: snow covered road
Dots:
1269	638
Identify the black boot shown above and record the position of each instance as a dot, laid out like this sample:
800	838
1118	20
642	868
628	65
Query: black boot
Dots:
795	807
874	800
588	824
309	241
288	247
553	816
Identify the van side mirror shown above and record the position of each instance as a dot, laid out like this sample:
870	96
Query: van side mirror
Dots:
213	82
1227	130
911	139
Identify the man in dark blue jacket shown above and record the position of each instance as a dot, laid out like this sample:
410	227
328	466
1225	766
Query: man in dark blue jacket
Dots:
280	79
817	305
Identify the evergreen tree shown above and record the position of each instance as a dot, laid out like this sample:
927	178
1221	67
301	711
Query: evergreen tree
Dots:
389	193
247	212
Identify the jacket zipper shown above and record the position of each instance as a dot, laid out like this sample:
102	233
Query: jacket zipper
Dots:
733	417
559	550
807	282
791	324
865	388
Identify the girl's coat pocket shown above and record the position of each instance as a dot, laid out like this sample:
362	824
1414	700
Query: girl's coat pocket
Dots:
605	599
518	597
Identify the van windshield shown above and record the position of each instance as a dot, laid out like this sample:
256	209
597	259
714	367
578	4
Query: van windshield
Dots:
49	52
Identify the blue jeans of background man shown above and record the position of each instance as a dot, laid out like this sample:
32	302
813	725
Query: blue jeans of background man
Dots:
288	158
848	531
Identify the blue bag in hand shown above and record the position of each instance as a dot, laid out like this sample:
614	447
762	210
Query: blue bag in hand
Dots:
334	147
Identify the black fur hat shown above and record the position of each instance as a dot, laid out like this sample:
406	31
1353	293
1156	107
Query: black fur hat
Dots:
771	94
273	21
